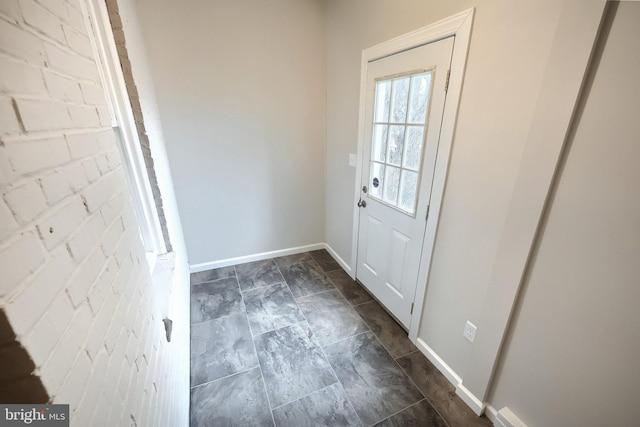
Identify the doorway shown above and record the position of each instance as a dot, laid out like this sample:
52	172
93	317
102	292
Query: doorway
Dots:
405	101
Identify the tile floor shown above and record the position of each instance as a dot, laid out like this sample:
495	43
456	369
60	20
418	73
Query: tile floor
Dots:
293	341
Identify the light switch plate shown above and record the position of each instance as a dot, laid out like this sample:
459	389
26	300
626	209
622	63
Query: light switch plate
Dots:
352	160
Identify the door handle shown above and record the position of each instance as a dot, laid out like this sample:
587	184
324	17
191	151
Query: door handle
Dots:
362	204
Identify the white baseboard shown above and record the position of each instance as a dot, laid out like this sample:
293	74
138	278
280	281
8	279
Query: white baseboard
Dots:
346	267
433	357
506	418
492	414
467	397
255	257
470	399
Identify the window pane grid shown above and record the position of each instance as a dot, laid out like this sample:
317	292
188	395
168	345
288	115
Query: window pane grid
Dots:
400	112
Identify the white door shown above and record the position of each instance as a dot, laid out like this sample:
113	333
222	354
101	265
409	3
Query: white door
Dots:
405	99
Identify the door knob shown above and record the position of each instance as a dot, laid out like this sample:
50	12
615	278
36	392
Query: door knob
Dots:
362	204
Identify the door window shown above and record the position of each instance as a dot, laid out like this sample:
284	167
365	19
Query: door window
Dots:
399	122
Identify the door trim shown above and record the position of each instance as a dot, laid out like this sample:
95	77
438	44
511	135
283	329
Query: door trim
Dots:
460	26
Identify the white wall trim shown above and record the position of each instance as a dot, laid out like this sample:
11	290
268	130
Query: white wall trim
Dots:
458	25
472	401
433	357
339	259
123	124
492	415
194	268
505	417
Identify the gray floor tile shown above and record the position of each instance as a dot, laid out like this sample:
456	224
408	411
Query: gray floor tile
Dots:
258	274
212	300
440	392
374	383
215	274
286	261
326	407
292	364
325	260
392	336
270	308
421	414
221	347
306	278
330	317
237	400
352	290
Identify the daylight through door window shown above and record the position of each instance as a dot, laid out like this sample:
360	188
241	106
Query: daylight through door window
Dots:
397	138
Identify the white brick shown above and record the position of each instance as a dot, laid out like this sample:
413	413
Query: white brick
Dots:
57	7
111	238
74	385
78	42
113	160
29	305
112	209
123	250
93	94
21	43
86	238
59	364
41	20
15	266
20	78
34	155
125	379
76	20
82	144
71	64
7	223
56	227
85	276
104	115
101	325
115	414
91	170
76	177
26	201
103	163
107	140
9	123
84	116
102	289
91	397
10	9
62	88
98	193
115	329
7	174
40	115
55	186
46	334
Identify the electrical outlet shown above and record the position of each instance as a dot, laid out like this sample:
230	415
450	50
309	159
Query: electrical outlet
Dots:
469	331
352	160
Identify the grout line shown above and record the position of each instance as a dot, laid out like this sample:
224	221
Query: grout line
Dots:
405	355
307	395
325	358
255	351
416	386
404	409
226	376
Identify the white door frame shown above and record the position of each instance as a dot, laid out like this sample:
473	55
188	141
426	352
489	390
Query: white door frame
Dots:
458	25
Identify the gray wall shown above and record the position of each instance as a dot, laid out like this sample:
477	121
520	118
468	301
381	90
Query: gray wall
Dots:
574	345
241	94
509	49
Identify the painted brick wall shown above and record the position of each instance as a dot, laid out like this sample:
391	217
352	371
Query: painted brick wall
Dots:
74	281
